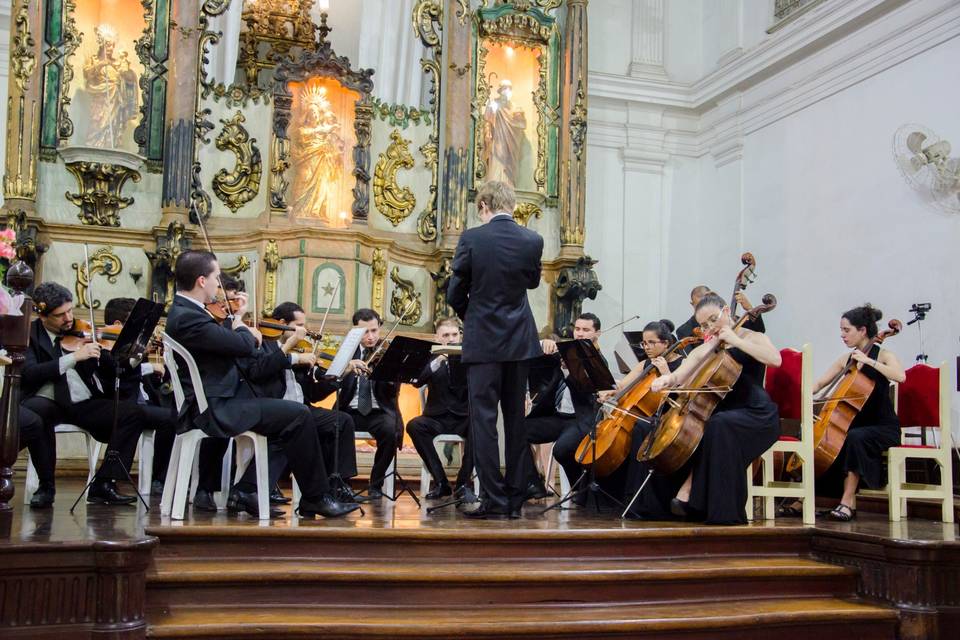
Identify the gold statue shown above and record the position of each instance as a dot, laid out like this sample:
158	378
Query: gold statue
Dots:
317	155
503	130
112	87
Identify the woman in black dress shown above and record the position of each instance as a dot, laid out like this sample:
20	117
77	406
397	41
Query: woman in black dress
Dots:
876	427
744	425
654	502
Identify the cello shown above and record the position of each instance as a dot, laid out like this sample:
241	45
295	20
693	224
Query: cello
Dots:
840	402
635	402
670	445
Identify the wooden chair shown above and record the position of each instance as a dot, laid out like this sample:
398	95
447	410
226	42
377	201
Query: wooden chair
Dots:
923	400
791	386
186	446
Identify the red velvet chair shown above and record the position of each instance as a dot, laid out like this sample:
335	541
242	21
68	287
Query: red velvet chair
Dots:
791	386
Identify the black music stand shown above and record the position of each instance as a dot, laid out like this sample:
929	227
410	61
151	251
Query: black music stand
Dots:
588	375
128	352
402	362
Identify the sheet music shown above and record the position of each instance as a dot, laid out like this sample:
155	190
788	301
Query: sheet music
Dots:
347	348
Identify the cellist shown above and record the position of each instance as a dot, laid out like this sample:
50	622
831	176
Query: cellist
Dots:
744	424
876	427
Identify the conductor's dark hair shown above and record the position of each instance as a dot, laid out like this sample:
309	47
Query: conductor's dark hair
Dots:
190	266
365	315
864	317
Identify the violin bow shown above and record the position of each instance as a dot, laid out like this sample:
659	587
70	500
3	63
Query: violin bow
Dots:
206	238
323	323
390	333
86	264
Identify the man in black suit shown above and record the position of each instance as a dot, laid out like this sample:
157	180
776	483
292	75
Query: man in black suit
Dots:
75	388
493	267
143	386
372	404
686	329
279	370
444	413
233	406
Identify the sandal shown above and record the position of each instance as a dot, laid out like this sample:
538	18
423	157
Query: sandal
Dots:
842	513
789	511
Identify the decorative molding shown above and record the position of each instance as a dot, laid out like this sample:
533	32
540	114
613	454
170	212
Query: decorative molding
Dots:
441	280
379	285
648	27
169	247
71	40
405	302
578	121
22	59
526	210
399	115
153	54
272	262
574	284
243	264
427	21
239	186
103	261
100	184
396	203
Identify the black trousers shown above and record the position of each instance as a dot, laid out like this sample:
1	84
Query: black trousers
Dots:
423	429
491	384
566	434
41	443
95	416
382	426
164	421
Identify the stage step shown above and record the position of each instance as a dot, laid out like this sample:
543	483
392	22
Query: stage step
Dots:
467	582
786	619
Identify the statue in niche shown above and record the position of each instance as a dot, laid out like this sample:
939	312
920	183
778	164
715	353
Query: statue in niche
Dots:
317	153
504	126
112	87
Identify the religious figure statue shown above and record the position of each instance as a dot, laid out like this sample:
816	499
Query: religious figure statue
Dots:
504	125
317	153
112	87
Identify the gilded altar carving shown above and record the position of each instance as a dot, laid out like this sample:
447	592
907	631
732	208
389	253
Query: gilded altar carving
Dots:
22	59
103	261
271	260
153	50
578	121
574	284
280	152
71	40
399	115
19	185
427	18
392	200
526	210
99	197
164	259
378	291
243	264
28	248
240	185
441	280
405	302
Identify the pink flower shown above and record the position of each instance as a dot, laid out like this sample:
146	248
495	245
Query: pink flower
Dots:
8	252
9	235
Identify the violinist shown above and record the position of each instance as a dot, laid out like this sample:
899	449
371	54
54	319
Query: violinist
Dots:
75	387
445	413
561	415
876	427
143	386
233	406
373	404
278	370
744	424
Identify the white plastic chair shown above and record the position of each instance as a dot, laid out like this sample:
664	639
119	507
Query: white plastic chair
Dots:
426	479
93	456
769	489
184	456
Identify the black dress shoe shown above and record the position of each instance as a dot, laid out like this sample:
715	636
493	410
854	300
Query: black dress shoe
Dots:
679	508
43	498
277	497
440	491
325	506
465	493
535	491
203	501
156	488
374	494
105	492
485	511
243	501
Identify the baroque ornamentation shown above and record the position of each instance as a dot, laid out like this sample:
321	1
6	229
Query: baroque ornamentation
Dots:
28	248
526	210
99	197
103	261
19	185
399	115
239	186
153	53
271	260
379	267
574	285
578	121
392	200
405	302
280	152
71	40
441	280
427	21
22	58
163	260
243	264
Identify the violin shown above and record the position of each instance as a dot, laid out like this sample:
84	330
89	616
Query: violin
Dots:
678	433
274	330
635	402
840	402
224	308
79	333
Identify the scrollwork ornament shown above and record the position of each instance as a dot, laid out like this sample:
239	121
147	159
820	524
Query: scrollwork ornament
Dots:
103	261
427	18
526	210
379	267
71	40
272	261
441	279
396	203
549	5
99	197
240	185
243	264
22	58
405	300
578	121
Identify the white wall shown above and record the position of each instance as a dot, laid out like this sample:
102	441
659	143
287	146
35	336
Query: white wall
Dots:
781	145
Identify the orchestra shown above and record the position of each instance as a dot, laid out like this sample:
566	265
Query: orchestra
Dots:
672	439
